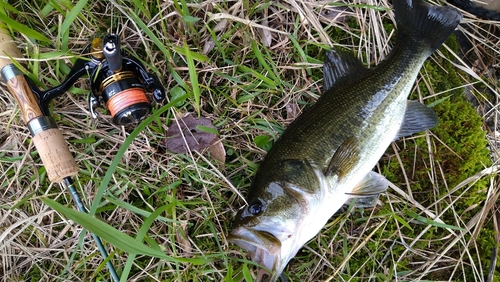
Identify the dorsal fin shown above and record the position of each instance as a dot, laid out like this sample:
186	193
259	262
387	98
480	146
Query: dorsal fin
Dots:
339	65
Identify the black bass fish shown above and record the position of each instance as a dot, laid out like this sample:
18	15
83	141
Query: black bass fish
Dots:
327	154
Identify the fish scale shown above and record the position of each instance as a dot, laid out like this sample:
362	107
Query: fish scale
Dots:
327	154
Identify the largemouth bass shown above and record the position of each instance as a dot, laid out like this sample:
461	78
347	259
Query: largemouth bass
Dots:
327	154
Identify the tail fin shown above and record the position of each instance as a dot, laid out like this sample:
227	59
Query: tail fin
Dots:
424	23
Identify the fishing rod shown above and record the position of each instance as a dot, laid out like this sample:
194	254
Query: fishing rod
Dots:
48	139
120	82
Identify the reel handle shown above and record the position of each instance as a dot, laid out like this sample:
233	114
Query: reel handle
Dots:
48	139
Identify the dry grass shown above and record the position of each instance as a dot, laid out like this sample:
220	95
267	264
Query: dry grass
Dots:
244	97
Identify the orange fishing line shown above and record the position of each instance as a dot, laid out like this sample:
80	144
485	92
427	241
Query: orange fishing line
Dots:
125	99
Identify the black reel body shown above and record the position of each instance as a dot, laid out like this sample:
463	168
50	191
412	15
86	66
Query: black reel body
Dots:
120	82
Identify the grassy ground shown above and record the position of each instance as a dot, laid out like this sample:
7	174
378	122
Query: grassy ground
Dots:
251	68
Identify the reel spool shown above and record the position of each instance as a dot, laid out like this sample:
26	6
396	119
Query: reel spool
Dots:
125	98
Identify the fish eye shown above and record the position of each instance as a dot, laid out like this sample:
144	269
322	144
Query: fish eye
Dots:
255	208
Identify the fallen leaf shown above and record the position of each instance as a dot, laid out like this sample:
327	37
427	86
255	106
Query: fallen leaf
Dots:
197	134
265	34
336	14
220	26
182	239
208	46
217	151
210	43
292	111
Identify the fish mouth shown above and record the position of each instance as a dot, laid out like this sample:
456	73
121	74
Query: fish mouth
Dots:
264	248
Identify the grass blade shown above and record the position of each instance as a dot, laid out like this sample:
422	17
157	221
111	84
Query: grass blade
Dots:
144	27
263	62
142	232
431	222
193	77
136	210
23	29
114	236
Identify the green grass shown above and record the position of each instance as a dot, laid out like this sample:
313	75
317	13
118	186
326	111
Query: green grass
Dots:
173	212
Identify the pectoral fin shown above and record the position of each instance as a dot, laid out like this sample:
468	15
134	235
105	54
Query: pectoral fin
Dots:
418	117
344	158
368	189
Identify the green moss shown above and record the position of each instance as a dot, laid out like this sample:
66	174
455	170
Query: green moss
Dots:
459	150
459	146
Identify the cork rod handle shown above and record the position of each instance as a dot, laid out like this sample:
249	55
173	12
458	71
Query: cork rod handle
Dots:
50	143
8	48
55	155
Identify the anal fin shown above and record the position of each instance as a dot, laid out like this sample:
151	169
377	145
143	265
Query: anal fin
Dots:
418	117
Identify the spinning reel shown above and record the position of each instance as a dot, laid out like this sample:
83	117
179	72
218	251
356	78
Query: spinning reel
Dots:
118	81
